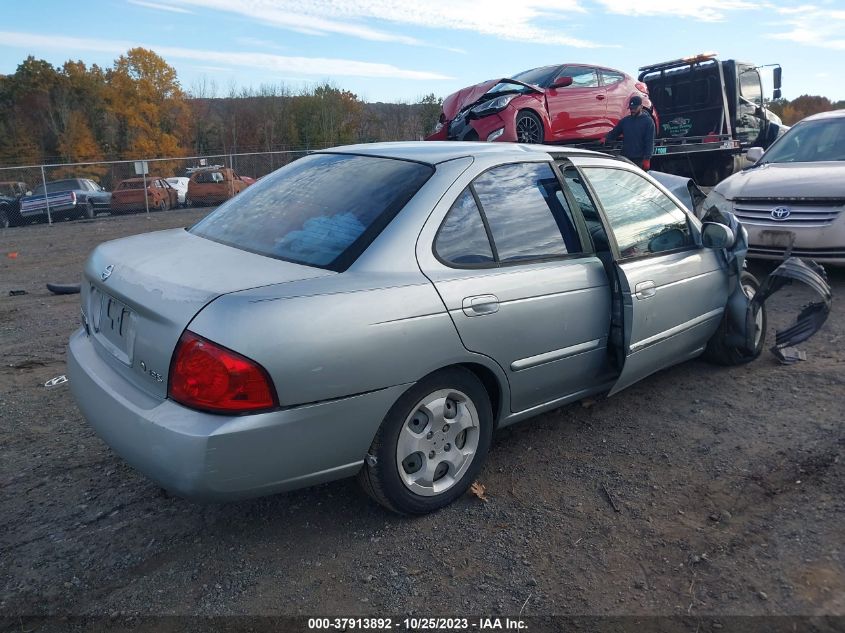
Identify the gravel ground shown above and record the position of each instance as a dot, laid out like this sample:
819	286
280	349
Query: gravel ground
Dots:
701	491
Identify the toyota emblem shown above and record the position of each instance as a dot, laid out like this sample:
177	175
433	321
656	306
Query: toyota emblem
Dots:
107	272
781	213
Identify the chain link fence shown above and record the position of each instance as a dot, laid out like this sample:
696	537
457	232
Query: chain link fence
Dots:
31	182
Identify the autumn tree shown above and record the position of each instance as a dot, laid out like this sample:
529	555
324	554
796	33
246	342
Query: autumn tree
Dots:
144	96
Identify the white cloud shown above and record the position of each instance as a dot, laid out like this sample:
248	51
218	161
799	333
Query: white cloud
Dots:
319	67
160	7
526	21
813	27
709	11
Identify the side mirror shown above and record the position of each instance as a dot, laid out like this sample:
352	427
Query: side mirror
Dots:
562	82
716	235
754	154
777	73
776	93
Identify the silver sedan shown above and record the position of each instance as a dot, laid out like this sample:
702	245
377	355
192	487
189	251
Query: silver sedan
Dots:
378	310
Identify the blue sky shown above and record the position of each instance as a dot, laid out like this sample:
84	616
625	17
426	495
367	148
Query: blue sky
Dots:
400	50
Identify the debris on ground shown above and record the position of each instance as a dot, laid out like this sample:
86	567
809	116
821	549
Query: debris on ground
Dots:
610	498
16	293
64	289
479	490
55	382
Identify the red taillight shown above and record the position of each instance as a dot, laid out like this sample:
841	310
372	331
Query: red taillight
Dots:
209	377
641	87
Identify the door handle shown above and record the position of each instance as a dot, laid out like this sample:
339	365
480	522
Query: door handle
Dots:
600	97
645	289
480	305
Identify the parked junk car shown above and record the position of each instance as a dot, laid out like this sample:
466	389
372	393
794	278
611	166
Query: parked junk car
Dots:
129	195
792	200
69	198
180	184
563	103
11	193
214	186
380	309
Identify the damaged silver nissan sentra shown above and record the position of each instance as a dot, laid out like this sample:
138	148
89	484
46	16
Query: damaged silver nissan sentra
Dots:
378	310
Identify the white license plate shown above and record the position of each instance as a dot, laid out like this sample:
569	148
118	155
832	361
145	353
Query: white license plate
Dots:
778	239
114	326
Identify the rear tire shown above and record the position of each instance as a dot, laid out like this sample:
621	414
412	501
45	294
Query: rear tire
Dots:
719	352
431	444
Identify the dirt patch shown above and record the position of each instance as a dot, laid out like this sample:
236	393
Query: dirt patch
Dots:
701	490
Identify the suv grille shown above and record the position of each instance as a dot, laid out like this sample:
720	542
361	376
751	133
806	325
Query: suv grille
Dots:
807	212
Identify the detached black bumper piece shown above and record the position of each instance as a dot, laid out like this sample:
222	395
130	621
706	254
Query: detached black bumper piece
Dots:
812	316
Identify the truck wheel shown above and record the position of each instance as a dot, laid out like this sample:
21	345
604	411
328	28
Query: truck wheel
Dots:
431	444
89	211
719	352
529	128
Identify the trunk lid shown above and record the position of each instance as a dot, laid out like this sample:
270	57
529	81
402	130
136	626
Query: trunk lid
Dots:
140	293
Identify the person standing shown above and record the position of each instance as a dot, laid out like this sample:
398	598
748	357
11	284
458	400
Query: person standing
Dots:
637	131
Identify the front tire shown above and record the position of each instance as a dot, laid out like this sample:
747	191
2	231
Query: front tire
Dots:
431	445
89	211
719	351
529	128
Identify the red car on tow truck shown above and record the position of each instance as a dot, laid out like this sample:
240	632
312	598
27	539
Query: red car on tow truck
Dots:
564	103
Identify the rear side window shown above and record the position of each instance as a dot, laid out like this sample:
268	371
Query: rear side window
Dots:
462	238
322	210
643	219
609	77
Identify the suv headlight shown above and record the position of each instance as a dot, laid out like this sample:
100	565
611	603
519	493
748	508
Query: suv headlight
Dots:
492	106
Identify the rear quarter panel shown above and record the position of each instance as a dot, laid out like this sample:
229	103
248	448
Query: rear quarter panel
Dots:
340	342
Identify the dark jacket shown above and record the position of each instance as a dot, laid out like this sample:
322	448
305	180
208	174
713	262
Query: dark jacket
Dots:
637	135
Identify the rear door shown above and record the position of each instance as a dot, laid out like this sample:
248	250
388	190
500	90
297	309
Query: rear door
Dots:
577	111
510	264
672	292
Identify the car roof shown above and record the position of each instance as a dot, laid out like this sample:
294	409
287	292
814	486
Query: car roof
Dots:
434	152
832	114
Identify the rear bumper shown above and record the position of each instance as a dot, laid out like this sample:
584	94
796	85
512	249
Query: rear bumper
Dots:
213	457
42	211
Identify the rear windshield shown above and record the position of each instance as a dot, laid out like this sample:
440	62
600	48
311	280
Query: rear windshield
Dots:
209	176
322	210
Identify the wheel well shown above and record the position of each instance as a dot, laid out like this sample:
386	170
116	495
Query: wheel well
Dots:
530	111
491	385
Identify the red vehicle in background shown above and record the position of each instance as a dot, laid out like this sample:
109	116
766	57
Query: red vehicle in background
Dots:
565	103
